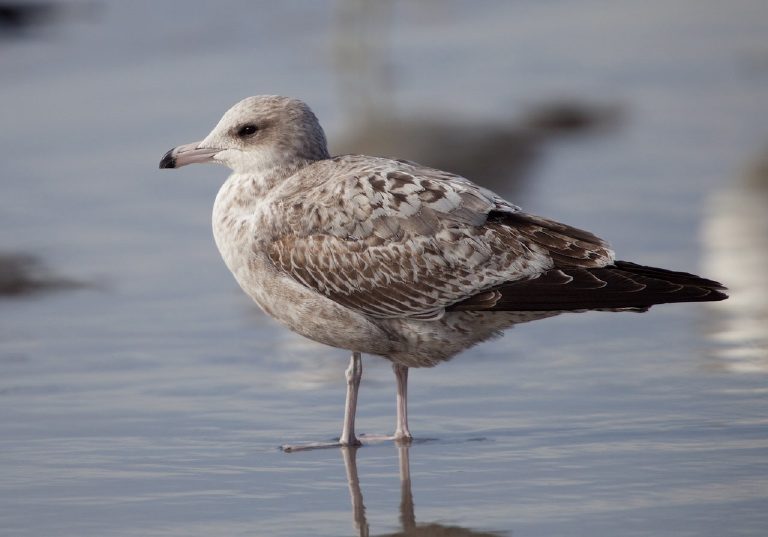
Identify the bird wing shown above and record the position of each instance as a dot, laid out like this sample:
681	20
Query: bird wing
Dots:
393	239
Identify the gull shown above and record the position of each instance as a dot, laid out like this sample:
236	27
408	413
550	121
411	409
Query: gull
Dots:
394	259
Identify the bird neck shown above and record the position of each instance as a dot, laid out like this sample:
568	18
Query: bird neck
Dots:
272	176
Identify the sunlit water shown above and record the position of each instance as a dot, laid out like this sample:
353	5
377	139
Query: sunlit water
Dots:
154	401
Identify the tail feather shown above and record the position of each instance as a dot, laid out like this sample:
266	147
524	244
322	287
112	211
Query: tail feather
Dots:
623	285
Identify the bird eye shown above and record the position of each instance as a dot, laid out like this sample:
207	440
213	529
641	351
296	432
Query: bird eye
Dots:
247	130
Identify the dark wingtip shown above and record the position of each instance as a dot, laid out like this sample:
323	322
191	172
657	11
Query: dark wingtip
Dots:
716	295
168	160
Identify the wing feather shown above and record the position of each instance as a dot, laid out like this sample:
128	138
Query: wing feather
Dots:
396	239
622	285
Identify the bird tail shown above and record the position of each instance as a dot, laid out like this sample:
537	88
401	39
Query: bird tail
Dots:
622	285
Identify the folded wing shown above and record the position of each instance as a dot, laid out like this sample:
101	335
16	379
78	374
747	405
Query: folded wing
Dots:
401	240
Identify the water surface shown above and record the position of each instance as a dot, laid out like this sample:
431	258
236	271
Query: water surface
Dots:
153	400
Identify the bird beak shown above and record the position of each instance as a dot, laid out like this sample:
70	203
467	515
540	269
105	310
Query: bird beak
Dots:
187	154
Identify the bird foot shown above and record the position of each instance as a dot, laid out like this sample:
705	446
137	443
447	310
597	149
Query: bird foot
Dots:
293	448
376	438
362	440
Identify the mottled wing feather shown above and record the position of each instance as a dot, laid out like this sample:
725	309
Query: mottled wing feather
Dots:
566	245
396	239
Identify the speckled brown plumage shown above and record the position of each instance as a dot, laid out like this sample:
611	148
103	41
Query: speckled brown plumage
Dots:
392	258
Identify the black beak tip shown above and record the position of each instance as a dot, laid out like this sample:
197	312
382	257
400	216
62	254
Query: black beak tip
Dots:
168	160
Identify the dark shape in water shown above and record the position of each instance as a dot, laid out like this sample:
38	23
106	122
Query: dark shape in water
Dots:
18	16
24	274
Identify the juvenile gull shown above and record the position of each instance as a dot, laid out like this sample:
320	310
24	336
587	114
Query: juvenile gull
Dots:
391	258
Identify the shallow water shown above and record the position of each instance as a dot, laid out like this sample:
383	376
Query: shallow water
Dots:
154	400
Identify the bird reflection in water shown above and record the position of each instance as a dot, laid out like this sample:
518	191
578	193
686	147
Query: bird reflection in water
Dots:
407	511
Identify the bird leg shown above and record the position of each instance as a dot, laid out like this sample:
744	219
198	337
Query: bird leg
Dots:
353	374
401	374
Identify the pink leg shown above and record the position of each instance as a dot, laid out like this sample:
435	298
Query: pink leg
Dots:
353	373
401	374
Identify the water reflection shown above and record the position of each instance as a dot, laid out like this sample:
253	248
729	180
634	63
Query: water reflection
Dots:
407	511
736	236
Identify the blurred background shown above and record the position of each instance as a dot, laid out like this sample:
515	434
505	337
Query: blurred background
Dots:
142	393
